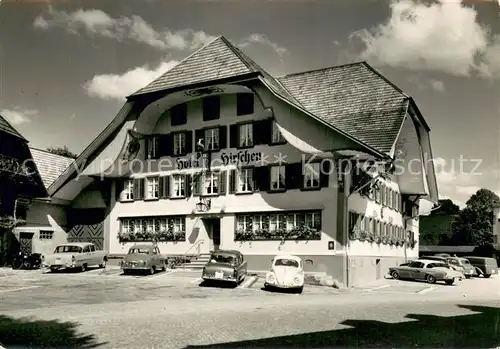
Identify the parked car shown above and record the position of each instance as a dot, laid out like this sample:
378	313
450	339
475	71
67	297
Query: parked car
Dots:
287	272
428	270
77	255
445	260
484	266
225	266
143	257
463	263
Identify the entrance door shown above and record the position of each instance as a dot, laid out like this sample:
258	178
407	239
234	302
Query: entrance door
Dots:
213	230
26	242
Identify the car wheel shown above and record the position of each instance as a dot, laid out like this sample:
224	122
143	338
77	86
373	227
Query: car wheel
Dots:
300	289
431	279
395	275
487	275
83	267
164	266
449	282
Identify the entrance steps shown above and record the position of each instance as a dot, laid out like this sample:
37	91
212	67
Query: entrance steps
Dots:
196	263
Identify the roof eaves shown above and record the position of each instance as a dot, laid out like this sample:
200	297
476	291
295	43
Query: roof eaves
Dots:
13	130
305	111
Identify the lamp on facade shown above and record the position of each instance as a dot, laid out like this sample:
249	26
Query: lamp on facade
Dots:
203	205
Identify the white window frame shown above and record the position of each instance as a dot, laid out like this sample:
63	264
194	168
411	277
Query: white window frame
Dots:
311	174
153	187
126	226
152	143
275	173
245	135
138	225
179	225
151	226
258	222
276	136
245	180
242	222
178	186
211	182
46	235
179	143
275	220
212	138
163	224
312	219
128	190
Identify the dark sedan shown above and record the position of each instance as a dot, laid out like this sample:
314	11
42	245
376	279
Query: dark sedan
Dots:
225	266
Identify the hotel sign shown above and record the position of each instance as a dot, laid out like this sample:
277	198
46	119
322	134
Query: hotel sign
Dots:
242	158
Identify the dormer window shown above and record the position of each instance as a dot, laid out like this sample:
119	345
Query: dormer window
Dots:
244	103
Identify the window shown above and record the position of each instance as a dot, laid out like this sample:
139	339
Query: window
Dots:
138	226
244	103
152	147
178	114
212	139
179	140
311	175
46	234
211	108
127	226
179	225
277	177
179	186
128	190
211	183
152	192
416	264
243	222
245	180
258	222
151	226
245	135
276	136
277	221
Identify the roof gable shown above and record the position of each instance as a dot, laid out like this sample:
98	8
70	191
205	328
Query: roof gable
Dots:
353	98
50	166
5	126
219	59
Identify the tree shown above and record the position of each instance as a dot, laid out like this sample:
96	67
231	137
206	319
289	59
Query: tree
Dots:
446	207
474	224
62	151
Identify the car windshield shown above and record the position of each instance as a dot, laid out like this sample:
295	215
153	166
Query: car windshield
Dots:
138	251
437	265
286	263
453	261
465	261
222	258
68	249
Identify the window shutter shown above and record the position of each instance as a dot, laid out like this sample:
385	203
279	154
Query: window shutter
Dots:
232	181
165	145
138	188
196	184
189	182
233	136
164	187
261	178
293	176
199	134
324	170
222	137
189	141
118	188
244	103
147	147
222	182
262	131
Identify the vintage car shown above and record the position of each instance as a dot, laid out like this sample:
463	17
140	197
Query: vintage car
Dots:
77	255
444	260
484	266
287	272
143	257
225	266
463	263
428	270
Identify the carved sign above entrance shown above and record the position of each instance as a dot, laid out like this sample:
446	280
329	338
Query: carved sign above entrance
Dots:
241	158
203	91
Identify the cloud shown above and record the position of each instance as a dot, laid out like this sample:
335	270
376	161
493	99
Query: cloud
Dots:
18	116
442	36
98	23
263	40
424	83
118	86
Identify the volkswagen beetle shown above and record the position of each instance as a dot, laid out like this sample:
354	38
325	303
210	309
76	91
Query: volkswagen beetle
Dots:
287	272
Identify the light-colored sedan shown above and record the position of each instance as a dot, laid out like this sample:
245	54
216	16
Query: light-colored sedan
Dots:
287	272
143	257
428	270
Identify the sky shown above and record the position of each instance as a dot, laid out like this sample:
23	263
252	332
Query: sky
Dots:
66	66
